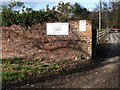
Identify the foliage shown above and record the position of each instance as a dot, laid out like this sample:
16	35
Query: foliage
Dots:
60	13
28	17
110	14
18	68
80	12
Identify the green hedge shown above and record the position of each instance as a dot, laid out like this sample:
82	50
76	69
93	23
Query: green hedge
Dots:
29	17
24	19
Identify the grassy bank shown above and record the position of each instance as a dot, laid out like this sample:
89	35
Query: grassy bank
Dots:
18	68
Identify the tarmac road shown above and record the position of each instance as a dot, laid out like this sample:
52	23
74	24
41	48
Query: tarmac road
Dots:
104	75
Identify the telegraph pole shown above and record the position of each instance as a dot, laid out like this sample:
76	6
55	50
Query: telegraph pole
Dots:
99	19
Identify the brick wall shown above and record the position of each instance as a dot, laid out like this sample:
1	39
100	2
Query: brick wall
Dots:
83	36
34	43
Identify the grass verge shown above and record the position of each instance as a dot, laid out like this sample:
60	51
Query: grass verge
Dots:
18	68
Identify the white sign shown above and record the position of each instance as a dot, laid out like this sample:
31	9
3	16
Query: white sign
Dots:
57	28
82	25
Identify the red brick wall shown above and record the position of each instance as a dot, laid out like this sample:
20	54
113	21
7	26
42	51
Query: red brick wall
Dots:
34	43
86	36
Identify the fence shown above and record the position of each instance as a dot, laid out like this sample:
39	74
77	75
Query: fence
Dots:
100	35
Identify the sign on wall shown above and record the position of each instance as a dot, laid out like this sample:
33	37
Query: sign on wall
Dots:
57	28
82	25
